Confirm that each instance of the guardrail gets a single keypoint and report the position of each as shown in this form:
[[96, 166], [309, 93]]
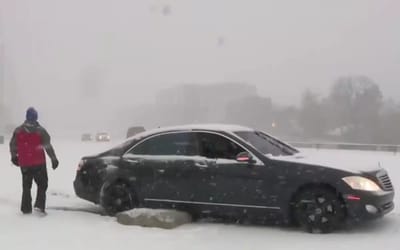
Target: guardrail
[[348, 146]]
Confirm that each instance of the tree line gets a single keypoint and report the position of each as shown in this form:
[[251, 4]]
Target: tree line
[[354, 110]]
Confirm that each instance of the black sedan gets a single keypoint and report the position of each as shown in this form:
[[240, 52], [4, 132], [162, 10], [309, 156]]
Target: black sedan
[[235, 172]]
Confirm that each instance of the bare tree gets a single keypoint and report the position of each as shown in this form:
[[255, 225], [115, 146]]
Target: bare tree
[[312, 115], [355, 103]]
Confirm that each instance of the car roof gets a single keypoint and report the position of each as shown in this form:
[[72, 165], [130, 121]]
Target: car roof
[[207, 127]]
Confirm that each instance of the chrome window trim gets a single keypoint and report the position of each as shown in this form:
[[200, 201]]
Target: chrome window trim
[[258, 161]]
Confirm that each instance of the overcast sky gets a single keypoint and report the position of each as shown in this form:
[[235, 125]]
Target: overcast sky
[[139, 46]]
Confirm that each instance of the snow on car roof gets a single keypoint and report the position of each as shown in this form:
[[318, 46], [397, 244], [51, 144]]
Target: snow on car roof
[[211, 127]]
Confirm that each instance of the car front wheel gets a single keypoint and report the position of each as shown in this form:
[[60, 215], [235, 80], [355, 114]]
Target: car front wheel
[[318, 210]]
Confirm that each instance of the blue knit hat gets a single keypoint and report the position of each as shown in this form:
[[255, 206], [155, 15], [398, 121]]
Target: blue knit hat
[[31, 115]]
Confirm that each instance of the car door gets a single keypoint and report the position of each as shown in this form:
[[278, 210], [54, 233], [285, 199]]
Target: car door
[[238, 185], [176, 165]]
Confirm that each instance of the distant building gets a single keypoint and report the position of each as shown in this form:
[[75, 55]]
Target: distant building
[[7, 90], [2, 89], [191, 103]]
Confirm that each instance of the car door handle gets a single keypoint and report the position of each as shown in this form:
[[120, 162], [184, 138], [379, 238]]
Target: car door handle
[[201, 164], [132, 160], [161, 171]]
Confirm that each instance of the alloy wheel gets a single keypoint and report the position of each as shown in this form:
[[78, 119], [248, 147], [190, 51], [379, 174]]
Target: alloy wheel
[[319, 210]]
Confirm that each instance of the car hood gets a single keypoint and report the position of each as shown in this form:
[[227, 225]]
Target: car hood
[[350, 165]]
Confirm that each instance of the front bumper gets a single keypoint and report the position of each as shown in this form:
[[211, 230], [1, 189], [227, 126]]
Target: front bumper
[[370, 205]]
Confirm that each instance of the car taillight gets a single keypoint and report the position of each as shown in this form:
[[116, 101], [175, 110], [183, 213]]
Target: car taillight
[[80, 165]]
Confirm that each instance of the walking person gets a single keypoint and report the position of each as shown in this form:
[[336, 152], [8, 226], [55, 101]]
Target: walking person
[[27, 147]]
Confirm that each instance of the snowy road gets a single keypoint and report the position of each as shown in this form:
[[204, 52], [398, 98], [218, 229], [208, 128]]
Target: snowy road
[[75, 224]]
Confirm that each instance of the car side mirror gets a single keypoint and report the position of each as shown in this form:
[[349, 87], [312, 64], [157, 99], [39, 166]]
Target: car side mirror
[[245, 157]]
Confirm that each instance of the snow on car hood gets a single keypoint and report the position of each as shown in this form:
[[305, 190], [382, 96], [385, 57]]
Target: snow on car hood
[[351, 164]]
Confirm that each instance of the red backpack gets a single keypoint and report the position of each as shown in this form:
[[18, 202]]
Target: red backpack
[[30, 149]]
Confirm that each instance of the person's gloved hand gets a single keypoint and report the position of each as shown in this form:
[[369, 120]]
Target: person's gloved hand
[[14, 160], [54, 163]]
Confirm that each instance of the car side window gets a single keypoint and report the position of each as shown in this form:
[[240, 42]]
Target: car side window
[[168, 144], [215, 146]]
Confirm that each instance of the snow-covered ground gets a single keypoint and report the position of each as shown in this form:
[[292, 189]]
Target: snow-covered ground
[[76, 224]]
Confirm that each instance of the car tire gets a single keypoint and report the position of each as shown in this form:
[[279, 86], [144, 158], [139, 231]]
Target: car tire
[[318, 210], [117, 197]]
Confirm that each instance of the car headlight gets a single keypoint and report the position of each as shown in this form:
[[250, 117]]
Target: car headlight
[[361, 183]]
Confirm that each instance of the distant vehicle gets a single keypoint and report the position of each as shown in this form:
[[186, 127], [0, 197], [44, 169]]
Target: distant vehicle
[[103, 136], [135, 130], [86, 137], [235, 172]]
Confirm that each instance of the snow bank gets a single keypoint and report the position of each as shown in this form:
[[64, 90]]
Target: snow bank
[[161, 218]]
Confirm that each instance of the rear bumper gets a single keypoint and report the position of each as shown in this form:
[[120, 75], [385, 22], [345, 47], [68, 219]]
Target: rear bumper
[[371, 205], [84, 190]]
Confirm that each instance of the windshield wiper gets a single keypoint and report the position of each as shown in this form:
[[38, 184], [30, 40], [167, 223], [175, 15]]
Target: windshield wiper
[[283, 148]]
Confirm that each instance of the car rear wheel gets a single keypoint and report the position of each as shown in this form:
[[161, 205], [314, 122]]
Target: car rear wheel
[[117, 197], [318, 210]]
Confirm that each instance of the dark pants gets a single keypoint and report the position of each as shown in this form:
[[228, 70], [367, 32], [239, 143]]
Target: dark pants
[[39, 175]]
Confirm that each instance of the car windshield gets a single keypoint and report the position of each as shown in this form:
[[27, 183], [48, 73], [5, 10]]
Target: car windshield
[[266, 144]]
